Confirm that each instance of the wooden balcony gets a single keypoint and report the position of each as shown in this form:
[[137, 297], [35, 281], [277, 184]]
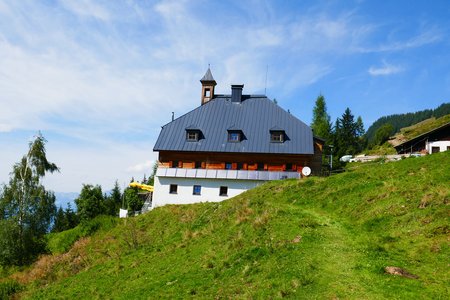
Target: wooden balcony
[[226, 174]]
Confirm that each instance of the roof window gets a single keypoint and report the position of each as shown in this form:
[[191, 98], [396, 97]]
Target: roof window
[[234, 136], [277, 136], [192, 135]]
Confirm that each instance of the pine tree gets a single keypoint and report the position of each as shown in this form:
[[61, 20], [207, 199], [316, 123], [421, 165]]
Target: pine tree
[[113, 202], [346, 138], [321, 124], [151, 179]]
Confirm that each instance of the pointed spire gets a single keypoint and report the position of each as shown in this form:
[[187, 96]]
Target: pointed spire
[[208, 76]]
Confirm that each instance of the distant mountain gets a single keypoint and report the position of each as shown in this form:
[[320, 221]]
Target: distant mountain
[[399, 121], [63, 198]]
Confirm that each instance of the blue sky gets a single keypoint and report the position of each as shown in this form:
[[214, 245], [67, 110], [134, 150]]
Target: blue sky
[[99, 78]]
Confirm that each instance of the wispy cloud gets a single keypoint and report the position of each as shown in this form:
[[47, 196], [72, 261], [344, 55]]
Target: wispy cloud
[[429, 36], [87, 8], [385, 69]]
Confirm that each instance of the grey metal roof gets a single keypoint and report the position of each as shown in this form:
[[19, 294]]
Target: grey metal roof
[[255, 116], [208, 76]]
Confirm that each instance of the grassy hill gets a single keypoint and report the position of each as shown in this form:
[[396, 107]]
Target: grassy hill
[[317, 238], [408, 133], [412, 131]]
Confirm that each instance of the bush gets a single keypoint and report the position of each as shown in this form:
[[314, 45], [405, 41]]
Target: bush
[[62, 241], [8, 288]]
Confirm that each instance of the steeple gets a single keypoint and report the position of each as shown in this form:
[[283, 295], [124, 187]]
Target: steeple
[[208, 84]]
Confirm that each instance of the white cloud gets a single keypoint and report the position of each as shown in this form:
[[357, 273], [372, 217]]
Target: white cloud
[[87, 8], [426, 37], [386, 69]]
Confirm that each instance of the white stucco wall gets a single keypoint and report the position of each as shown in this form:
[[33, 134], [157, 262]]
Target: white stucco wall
[[441, 144], [209, 190]]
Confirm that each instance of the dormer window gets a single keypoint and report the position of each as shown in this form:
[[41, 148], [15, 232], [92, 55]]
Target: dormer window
[[192, 136], [193, 133], [277, 135], [234, 136]]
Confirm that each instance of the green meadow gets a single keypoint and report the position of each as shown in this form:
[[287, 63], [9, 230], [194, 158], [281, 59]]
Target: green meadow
[[315, 238]]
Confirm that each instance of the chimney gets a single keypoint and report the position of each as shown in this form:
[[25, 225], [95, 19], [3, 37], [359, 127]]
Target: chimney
[[236, 93]]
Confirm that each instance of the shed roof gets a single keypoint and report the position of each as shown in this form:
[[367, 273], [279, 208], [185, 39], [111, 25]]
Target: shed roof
[[256, 116]]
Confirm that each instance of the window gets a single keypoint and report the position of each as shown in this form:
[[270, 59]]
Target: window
[[175, 164], [207, 93], [198, 164], [192, 136], [197, 190], [228, 166], [223, 191], [435, 149], [234, 137], [277, 136], [173, 188]]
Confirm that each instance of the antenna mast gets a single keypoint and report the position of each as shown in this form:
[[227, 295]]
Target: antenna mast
[[265, 83]]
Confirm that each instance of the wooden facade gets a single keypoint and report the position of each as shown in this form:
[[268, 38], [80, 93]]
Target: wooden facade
[[243, 161]]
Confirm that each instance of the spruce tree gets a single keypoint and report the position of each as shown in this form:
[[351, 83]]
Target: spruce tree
[[321, 124]]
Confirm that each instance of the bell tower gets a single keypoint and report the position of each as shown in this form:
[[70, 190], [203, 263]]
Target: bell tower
[[208, 84]]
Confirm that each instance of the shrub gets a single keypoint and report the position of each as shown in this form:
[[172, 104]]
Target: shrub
[[8, 288]]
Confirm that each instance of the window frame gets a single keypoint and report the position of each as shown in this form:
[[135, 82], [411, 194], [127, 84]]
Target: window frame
[[234, 136], [192, 136], [279, 134], [221, 189], [171, 191], [197, 193]]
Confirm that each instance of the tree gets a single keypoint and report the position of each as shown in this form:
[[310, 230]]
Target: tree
[[321, 124], [90, 202], [26, 208], [65, 219], [151, 179], [113, 202], [134, 202], [348, 136], [383, 133]]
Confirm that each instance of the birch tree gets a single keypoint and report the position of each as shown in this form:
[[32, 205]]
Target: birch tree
[[26, 208]]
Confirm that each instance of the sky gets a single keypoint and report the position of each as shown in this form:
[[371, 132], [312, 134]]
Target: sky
[[99, 78]]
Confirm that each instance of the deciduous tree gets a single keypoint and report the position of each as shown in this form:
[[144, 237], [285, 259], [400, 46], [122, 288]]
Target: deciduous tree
[[26, 208], [90, 202]]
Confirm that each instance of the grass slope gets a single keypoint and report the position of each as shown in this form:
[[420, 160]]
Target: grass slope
[[318, 238], [415, 130]]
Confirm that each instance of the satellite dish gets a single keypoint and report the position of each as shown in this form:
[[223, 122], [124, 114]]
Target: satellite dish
[[306, 171]]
